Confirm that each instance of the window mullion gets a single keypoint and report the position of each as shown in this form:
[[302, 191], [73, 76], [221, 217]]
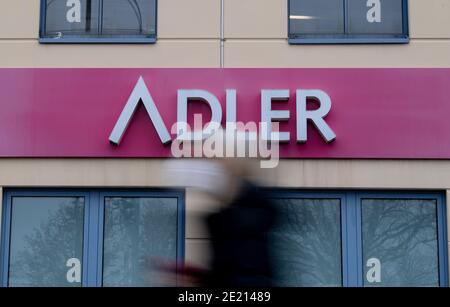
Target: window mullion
[[345, 3], [100, 235], [5, 241], [353, 248], [92, 242], [442, 242], [100, 17], [344, 242]]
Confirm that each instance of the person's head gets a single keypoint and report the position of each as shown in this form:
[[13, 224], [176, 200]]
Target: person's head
[[221, 176]]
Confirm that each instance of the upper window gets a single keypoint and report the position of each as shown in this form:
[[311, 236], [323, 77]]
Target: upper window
[[84, 21], [348, 21]]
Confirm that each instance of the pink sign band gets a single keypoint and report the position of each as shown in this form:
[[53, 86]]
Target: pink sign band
[[375, 113]]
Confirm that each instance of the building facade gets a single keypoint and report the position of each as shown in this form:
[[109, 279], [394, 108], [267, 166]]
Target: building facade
[[373, 205]]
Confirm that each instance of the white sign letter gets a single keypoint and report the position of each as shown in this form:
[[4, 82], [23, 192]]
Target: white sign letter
[[268, 115], [316, 116], [216, 114], [74, 13], [140, 92]]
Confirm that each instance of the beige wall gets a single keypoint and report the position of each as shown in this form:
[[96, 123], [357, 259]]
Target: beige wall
[[255, 33], [308, 173]]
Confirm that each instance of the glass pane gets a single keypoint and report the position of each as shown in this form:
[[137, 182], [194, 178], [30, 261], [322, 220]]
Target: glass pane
[[307, 243], [46, 241], [400, 245], [316, 17], [375, 17], [125, 18], [139, 232], [71, 18]]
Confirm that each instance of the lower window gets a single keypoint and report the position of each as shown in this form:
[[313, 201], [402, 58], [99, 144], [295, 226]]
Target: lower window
[[91, 238], [118, 238], [360, 239]]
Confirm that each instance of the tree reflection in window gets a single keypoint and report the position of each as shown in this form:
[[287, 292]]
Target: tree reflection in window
[[402, 234], [307, 242], [45, 233], [138, 232]]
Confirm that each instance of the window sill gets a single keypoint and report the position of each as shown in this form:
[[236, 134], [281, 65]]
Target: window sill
[[90, 40], [346, 41]]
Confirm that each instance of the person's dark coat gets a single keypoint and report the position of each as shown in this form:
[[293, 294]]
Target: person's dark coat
[[240, 245]]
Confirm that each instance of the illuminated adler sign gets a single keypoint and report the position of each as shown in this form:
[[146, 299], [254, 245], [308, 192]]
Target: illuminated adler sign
[[268, 115]]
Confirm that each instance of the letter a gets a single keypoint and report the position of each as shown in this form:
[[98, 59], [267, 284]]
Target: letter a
[[74, 273], [374, 13], [374, 273], [74, 13]]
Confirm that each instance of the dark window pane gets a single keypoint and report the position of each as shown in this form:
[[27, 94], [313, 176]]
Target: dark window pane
[[316, 17], [307, 243], [46, 241], [138, 233], [100, 18], [71, 18], [382, 17], [129, 17], [400, 246]]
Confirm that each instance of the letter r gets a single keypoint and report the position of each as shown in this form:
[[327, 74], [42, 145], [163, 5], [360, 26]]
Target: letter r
[[315, 116]]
